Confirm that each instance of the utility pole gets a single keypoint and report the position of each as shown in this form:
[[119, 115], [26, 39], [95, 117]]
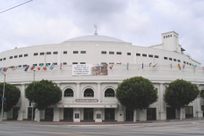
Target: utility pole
[[2, 98]]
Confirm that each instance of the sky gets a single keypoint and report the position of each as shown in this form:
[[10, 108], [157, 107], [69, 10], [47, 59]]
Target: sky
[[140, 22]]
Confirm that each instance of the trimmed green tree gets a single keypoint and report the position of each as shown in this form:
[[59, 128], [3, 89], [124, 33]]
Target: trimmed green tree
[[202, 94], [179, 94], [136, 93], [43, 93], [11, 96]]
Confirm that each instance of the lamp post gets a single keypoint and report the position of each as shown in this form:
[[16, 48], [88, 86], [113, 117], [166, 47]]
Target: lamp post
[[2, 98]]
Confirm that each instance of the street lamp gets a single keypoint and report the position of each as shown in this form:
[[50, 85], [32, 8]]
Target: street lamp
[[2, 98]]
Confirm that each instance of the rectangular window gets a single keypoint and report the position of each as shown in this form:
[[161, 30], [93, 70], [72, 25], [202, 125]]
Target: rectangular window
[[4, 58], [35, 54], [64, 52], [20, 55], [75, 52], [15, 56], [83, 52], [35, 65], [151, 56], [11, 57], [111, 62], [128, 53], [55, 63], [179, 60], [118, 53], [103, 52], [144, 55], [64, 63], [138, 54], [174, 59], [55, 52], [156, 56], [82, 62], [170, 59], [165, 58], [0, 59], [74, 62], [111, 52], [48, 53], [42, 53]]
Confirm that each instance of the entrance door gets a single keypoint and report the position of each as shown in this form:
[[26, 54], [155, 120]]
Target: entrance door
[[109, 114], [171, 113], [31, 113], [151, 113], [202, 108], [88, 114], [15, 113], [49, 114], [129, 115], [68, 114], [189, 111]]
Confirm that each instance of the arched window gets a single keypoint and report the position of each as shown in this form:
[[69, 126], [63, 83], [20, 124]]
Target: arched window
[[109, 92], [68, 93], [88, 93]]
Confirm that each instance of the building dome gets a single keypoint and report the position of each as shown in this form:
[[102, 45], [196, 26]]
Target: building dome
[[95, 38]]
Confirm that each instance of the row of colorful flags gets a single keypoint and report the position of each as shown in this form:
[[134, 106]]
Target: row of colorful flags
[[110, 67]]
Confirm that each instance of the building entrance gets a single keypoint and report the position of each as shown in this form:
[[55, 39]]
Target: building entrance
[[68, 114], [109, 114], [151, 113], [129, 115], [171, 113], [88, 114], [49, 113]]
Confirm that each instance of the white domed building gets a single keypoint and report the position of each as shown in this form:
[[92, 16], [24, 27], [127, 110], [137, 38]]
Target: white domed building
[[88, 70]]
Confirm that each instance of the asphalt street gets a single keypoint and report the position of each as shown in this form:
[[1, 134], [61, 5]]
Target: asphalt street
[[173, 128]]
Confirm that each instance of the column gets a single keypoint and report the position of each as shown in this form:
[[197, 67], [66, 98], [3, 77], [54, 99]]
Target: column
[[37, 115], [77, 91], [56, 114], [197, 106], [76, 114], [143, 115], [99, 92], [98, 115], [22, 114], [161, 108]]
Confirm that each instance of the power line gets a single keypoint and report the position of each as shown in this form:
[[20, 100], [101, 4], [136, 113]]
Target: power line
[[15, 6]]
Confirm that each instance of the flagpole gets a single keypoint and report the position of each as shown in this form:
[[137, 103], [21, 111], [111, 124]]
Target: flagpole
[[2, 98], [32, 88]]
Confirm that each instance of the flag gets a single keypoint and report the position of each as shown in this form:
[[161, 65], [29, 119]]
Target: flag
[[111, 66], [171, 66], [12, 67], [183, 66], [60, 66], [154, 65], [44, 68], [52, 66], [26, 69], [32, 68], [179, 66], [142, 65], [38, 68], [5, 69], [127, 66]]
